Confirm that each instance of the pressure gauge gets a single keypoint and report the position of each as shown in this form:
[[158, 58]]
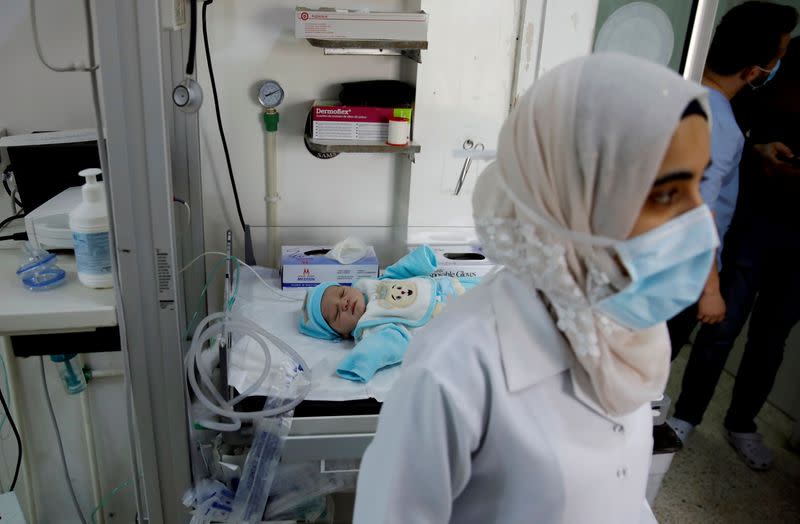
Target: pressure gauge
[[270, 94]]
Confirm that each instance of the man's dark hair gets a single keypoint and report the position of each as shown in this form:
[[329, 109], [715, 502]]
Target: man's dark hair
[[749, 35]]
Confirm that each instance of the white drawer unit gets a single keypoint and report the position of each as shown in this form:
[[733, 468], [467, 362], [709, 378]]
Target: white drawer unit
[[329, 438]]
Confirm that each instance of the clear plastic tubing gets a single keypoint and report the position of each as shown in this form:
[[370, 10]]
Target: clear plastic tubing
[[213, 326]]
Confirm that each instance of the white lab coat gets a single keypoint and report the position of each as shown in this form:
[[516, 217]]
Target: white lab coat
[[493, 421]]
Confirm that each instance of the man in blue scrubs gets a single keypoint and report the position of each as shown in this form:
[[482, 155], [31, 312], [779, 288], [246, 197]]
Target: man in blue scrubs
[[745, 54]]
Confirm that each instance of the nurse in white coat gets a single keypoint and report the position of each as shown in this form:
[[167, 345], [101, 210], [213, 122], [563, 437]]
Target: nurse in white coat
[[527, 400]]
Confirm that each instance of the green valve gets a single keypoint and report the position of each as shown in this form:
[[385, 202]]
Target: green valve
[[271, 121]]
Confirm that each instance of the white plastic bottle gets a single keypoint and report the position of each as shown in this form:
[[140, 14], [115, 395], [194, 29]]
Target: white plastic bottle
[[89, 225]]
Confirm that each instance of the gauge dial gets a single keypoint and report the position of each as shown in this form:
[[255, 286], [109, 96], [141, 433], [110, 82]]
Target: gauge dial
[[270, 94]]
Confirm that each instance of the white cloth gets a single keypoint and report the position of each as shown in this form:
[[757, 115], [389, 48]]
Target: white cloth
[[265, 308], [576, 160], [492, 421]]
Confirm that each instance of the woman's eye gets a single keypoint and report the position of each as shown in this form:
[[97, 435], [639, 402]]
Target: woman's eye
[[664, 198]]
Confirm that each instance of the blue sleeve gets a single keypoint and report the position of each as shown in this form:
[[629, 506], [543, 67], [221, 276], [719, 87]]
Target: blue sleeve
[[375, 352], [469, 282], [419, 263], [725, 156]]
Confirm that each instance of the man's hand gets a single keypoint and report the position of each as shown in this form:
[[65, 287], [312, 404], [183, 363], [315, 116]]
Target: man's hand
[[711, 308], [777, 158]]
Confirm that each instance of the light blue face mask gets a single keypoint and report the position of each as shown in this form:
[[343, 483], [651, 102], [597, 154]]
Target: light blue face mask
[[771, 74], [668, 267]]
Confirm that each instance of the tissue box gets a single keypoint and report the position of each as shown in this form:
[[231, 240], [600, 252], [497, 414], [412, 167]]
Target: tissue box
[[460, 261], [350, 24], [306, 266]]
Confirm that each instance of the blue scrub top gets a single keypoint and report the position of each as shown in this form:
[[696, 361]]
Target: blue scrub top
[[720, 188]]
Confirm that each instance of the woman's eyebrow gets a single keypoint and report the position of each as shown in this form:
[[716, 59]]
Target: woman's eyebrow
[[672, 177]]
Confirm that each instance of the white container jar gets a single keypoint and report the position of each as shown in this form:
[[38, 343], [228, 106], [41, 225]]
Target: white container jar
[[89, 225]]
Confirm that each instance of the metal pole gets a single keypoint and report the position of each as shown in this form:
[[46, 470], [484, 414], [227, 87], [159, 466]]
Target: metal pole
[[91, 451], [145, 149], [702, 32]]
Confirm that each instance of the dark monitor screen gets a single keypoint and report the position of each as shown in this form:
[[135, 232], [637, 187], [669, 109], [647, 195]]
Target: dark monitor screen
[[42, 171]]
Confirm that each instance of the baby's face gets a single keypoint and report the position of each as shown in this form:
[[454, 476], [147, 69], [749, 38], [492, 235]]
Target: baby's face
[[342, 306]]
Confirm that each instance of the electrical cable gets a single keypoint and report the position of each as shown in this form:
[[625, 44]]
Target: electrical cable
[[219, 119], [19, 440], [59, 442], [16, 236], [38, 46], [14, 202], [192, 37], [6, 221], [11, 193], [7, 391]]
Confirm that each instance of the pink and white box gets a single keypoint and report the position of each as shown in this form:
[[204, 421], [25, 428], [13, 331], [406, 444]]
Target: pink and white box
[[331, 121]]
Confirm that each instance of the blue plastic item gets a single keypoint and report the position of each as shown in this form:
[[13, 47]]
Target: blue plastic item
[[38, 270], [70, 369]]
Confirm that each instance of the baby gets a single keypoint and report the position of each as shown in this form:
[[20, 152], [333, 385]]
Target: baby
[[380, 314]]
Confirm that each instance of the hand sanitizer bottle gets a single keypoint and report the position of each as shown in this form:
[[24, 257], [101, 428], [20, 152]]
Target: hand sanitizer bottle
[[89, 225]]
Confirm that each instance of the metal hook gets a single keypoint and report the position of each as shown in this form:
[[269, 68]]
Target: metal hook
[[468, 145]]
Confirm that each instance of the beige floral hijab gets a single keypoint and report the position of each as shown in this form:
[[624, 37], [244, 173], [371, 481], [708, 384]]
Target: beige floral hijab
[[576, 160]]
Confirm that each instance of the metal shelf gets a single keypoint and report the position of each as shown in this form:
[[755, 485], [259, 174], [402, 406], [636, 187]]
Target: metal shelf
[[357, 146], [409, 49]]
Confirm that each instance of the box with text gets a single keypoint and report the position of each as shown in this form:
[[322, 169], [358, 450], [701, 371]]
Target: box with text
[[460, 261], [307, 266], [344, 24], [331, 121]]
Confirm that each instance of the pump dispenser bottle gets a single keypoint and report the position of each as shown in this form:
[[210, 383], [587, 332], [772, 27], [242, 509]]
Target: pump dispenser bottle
[[89, 225]]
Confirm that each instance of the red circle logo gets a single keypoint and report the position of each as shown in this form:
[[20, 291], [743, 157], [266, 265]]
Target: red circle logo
[[303, 16]]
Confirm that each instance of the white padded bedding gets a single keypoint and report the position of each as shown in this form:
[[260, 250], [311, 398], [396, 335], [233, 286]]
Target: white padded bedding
[[280, 318]]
